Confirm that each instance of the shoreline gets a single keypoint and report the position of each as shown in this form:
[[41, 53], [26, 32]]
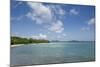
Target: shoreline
[[16, 45], [24, 44]]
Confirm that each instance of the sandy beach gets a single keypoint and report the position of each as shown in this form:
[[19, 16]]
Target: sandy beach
[[16, 45]]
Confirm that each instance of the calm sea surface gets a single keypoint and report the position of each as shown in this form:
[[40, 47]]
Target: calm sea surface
[[55, 52]]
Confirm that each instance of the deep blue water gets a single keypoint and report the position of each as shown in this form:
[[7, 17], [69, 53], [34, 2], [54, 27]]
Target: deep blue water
[[56, 52]]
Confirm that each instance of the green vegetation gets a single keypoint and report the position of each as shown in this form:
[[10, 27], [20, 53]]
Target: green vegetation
[[19, 40]]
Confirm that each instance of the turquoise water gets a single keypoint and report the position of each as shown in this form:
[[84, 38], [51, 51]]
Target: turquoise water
[[55, 52]]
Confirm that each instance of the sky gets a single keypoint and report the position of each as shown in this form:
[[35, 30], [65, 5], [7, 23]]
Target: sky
[[52, 21]]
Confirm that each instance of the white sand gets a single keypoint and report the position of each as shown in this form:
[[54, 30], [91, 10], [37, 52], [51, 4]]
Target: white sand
[[17, 45]]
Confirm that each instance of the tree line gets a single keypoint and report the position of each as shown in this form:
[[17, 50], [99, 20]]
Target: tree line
[[19, 40]]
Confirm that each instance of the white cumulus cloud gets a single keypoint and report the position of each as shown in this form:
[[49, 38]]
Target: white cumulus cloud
[[91, 21], [64, 34], [61, 12], [73, 11], [47, 14], [40, 13], [40, 36], [57, 27]]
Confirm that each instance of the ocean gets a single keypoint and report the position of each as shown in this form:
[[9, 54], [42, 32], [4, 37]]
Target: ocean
[[52, 53]]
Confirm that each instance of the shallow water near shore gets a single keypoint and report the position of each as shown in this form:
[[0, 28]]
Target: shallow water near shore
[[54, 52]]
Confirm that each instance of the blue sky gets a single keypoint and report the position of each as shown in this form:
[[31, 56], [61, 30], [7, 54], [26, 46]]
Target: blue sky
[[52, 21]]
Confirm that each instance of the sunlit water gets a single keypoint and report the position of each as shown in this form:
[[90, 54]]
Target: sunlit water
[[56, 52]]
